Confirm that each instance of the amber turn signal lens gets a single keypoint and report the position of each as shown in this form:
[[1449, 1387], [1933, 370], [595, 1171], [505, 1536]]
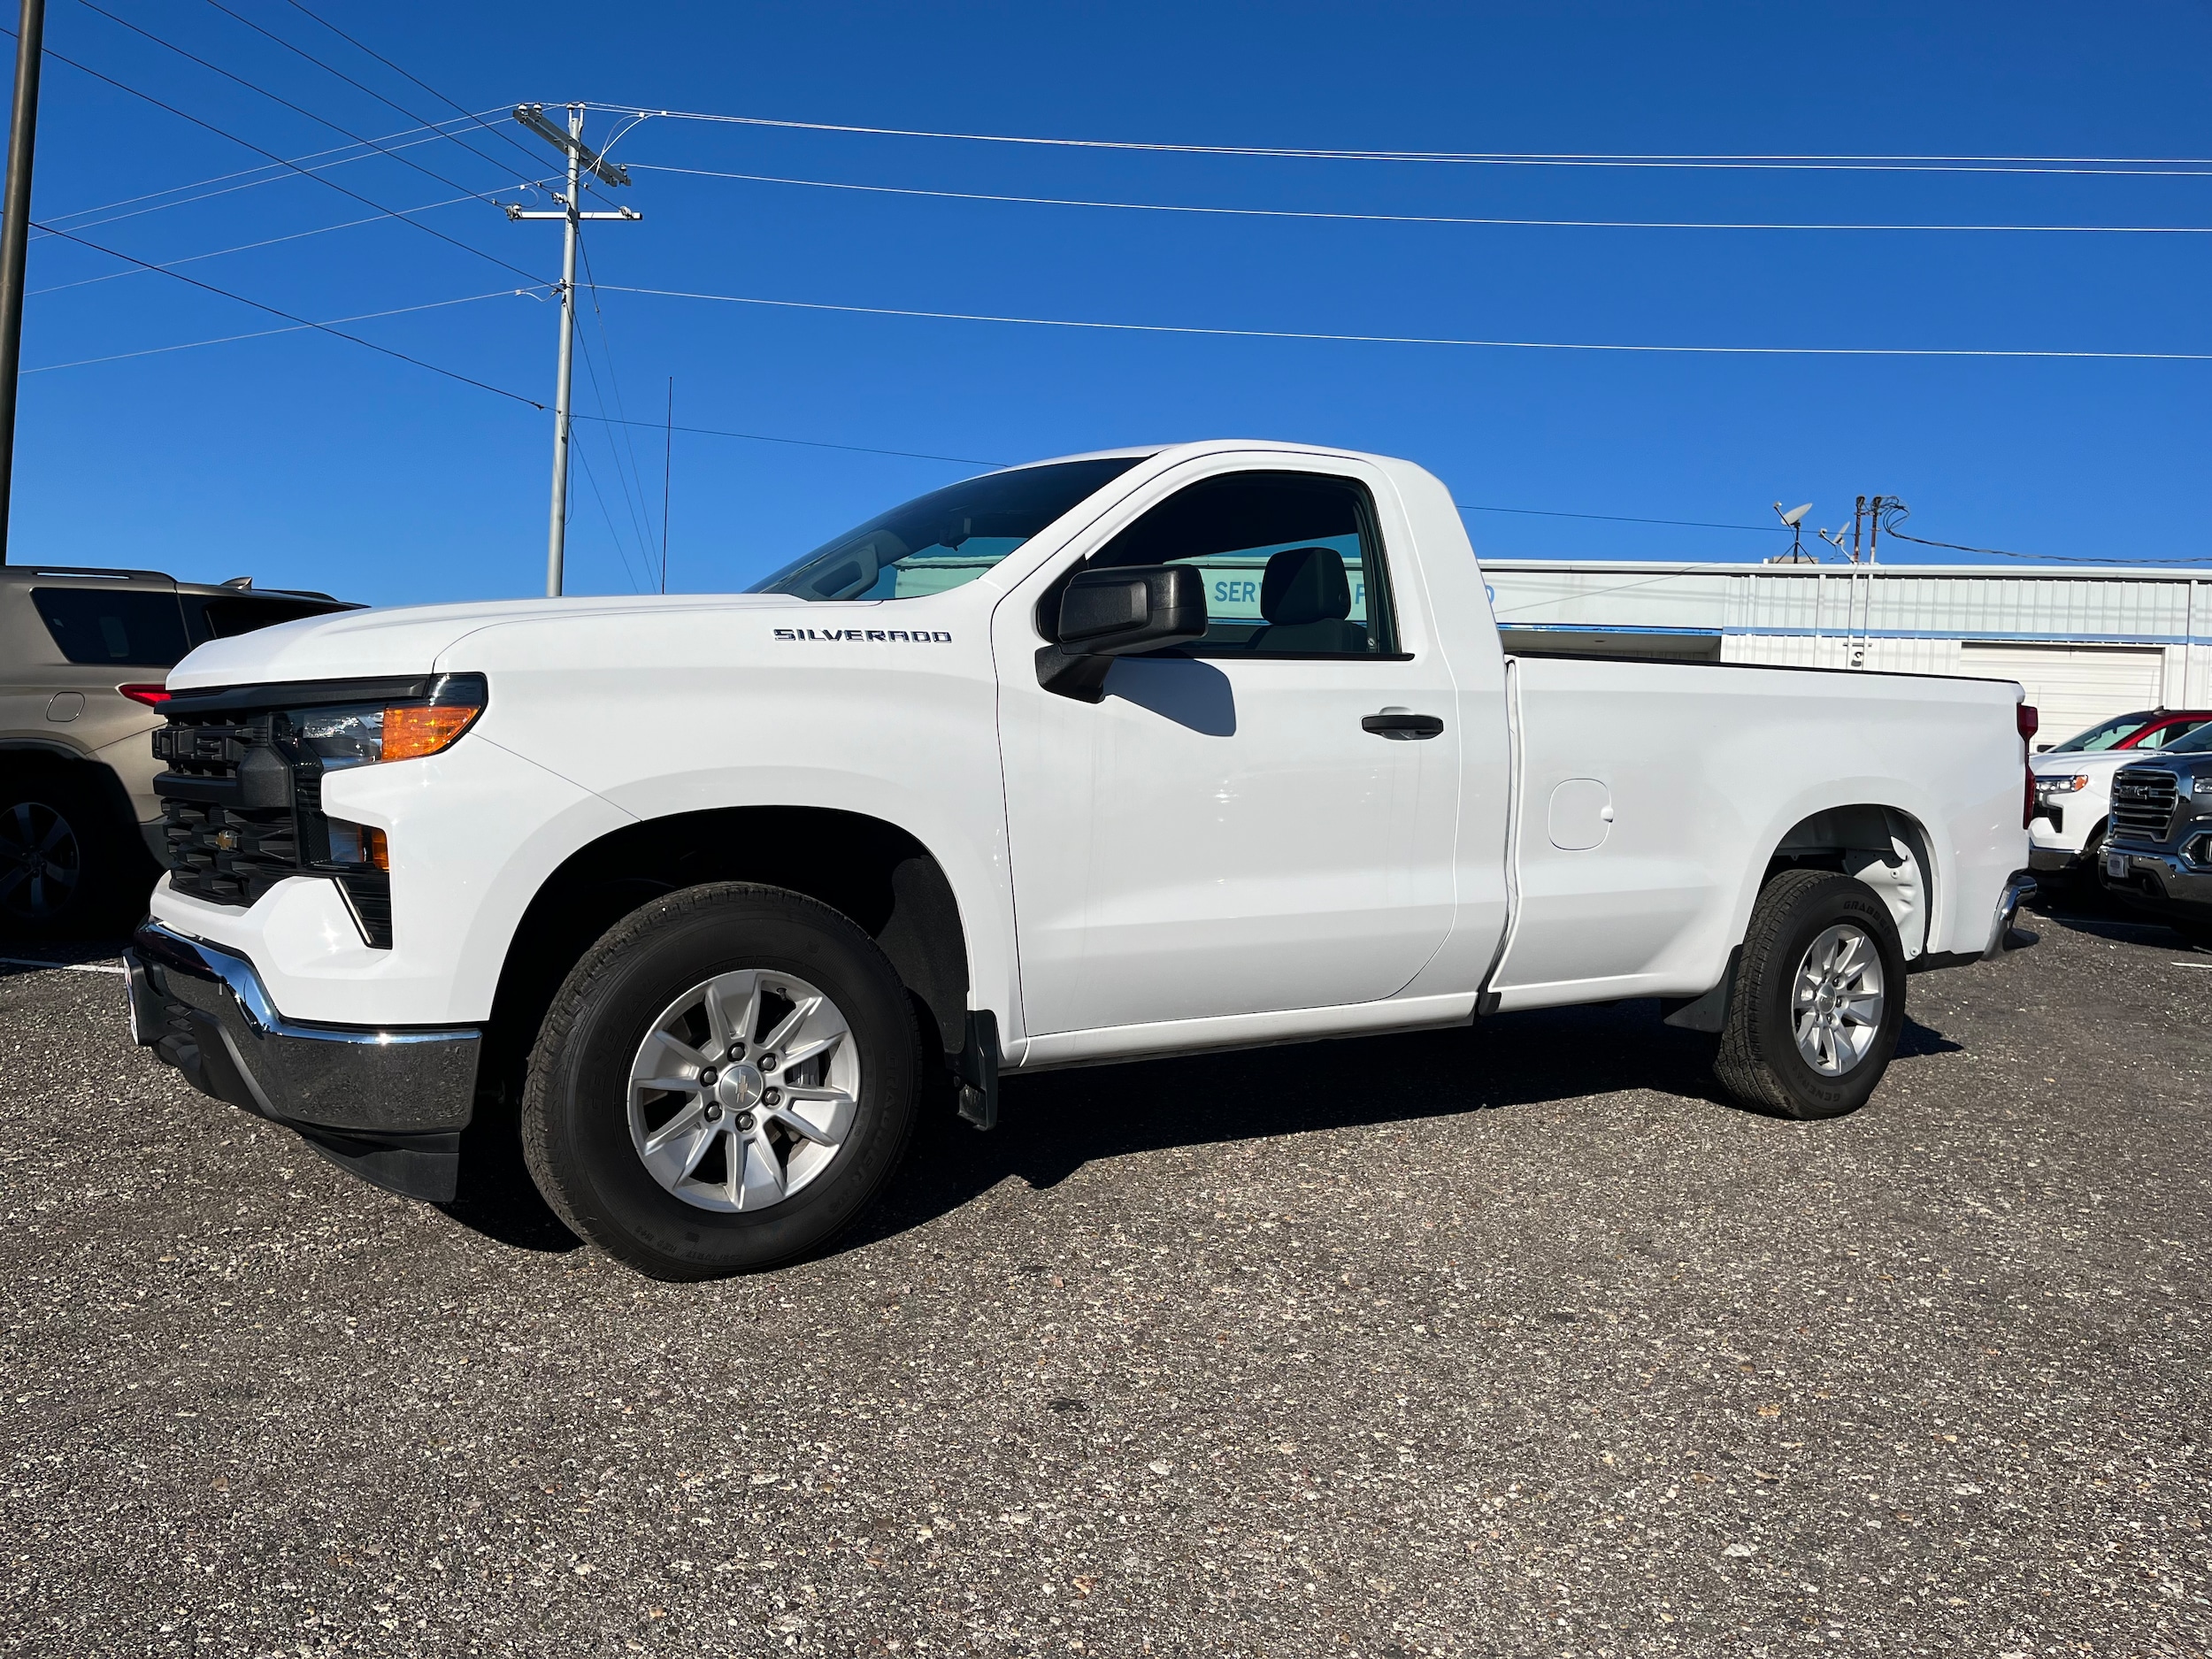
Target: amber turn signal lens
[[417, 729], [374, 852]]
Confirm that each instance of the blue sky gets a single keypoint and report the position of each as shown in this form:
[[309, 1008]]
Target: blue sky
[[307, 461]]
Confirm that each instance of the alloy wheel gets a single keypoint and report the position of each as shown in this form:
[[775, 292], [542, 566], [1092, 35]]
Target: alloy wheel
[[1837, 1000], [41, 862], [744, 1090]]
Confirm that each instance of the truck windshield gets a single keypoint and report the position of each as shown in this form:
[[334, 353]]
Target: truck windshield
[[2196, 743], [2113, 732], [947, 537]]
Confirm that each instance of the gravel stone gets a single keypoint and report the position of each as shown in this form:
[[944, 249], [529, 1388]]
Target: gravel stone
[[1510, 1339]]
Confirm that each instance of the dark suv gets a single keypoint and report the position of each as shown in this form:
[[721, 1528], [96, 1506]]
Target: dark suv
[[2158, 852], [83, 654]]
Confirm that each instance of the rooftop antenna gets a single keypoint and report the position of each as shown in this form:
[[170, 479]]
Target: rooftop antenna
[[1795, 519]]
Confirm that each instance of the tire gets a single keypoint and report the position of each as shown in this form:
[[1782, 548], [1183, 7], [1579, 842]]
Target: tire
[[1761, 1060], [68, 868], [694, 967]]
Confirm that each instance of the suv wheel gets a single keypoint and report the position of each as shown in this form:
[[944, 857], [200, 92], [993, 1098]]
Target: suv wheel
[[1818, 998], [723, 1082], [65, 868]]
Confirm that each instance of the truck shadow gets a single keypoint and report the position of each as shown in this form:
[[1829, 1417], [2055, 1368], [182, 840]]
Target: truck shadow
[[1052, 1125]]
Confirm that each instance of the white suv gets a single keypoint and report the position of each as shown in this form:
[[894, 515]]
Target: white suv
[[2073, 783]]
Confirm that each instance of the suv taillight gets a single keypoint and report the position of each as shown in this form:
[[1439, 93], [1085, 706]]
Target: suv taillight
[[152, 696], [2029, 722]]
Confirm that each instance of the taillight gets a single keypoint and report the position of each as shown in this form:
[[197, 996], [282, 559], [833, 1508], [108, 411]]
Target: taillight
[[152, 696], [2028, 723]]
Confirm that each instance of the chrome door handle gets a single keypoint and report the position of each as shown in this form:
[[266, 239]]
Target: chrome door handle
[[1402, 726]]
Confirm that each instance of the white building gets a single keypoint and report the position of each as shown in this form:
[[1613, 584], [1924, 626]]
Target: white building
[[2086, 643]]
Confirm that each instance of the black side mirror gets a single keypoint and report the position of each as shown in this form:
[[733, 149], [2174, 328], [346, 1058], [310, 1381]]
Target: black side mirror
[[1110, 613]]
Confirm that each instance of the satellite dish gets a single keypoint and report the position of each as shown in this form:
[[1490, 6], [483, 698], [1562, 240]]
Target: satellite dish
[[1795, 515]]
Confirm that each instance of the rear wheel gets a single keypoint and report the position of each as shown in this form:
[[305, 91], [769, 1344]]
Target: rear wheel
[[67, 867], [1818, 998], [723, 1082]]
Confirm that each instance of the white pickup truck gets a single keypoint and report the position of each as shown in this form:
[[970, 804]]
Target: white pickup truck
[[1130, 754]]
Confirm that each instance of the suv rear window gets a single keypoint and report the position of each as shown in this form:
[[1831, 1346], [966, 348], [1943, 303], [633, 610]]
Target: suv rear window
[[130, 628]]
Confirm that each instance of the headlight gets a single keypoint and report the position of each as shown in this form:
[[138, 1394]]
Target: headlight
[[2061, 786], [365, 734]]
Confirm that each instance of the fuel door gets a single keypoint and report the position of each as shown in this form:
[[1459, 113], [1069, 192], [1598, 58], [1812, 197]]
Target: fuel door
[[1581, 815]]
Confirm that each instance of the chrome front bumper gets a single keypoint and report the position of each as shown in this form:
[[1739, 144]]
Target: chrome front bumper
[[388, 1105]]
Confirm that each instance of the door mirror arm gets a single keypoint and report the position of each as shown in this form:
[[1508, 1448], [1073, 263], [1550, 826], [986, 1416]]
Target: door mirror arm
[[1110, 613]]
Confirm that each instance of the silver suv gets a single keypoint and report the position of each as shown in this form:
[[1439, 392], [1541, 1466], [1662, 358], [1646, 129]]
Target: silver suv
[[83, 654]]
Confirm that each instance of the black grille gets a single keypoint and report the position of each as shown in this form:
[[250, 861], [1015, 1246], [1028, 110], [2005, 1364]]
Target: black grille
[[2143, 803], [241, 810]]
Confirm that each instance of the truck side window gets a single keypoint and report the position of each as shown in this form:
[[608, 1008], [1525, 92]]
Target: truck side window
[[1293, 564]]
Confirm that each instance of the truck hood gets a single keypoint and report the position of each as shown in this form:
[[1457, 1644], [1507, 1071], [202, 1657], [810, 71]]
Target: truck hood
[[410, 639]]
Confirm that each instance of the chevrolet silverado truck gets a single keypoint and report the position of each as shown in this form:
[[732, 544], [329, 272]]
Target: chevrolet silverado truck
[[1130, 754], [2158, 854]]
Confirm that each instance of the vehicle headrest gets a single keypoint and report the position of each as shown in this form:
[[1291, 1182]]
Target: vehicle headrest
[[1305, 584]]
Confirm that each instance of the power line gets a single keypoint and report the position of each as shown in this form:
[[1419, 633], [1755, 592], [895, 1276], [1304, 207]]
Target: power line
[[303, 173], [248, 247], [1425, 340], [264, 333], [266, 175], [2116, 167], [621, 550], [629, 495], [358, 86], [179, 276], [477, 116], [297, 109], [2040, 558], [434, 130], [1407, 219], [636, 498]]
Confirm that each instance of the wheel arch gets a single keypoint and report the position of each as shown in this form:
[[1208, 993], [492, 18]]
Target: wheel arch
[[872, 872], [1881, 844], [29, 757]]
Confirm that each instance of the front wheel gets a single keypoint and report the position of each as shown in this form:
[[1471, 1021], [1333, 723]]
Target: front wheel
[[1818, 998], [723, 1083]]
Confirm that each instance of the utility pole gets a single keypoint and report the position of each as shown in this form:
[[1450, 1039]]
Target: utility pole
[[1881, 505], [15, 236], [581, 158]]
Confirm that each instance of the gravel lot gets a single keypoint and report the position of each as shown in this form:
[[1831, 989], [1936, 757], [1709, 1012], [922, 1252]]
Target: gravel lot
[[1510, 1339]]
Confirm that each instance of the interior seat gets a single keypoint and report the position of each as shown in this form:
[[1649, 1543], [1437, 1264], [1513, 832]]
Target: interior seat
[[1305, 596]]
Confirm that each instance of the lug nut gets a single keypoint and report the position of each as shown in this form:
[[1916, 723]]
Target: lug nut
[[771, 1097], [713, 1112], [745, 1123], [768, 1063], [707, 1077]]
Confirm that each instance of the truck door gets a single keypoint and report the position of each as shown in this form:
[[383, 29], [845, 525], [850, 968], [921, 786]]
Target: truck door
[[1260, 820]]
